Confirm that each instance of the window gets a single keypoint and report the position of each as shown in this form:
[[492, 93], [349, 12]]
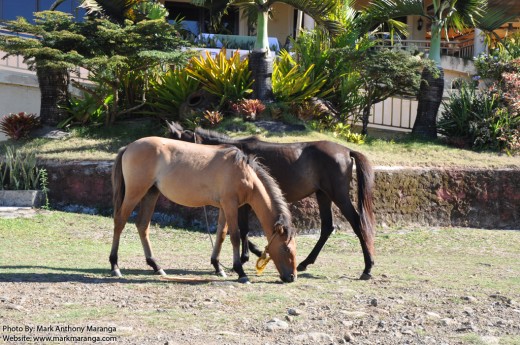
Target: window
[[197, 19]]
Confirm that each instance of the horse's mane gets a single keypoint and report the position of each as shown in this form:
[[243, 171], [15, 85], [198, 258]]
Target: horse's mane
[[271, 186], [220, 138]]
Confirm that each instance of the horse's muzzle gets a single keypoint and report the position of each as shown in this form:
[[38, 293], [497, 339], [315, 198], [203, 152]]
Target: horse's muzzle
[[288, 278]]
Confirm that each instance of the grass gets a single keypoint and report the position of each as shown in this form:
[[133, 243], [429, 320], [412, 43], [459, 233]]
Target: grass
[[99, 143], [417, 270]]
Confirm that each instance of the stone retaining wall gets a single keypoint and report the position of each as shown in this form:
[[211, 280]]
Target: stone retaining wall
[[407, 196]]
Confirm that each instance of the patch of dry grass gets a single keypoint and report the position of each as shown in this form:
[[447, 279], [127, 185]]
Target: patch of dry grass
[[428, 282], [103, 144]]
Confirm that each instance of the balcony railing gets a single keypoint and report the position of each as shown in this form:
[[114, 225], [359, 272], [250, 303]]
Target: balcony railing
[[457, 48]]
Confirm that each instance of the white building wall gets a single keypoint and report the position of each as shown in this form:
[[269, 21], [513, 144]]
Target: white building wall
[[19, 92]]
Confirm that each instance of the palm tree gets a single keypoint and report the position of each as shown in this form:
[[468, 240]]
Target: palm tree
[[115, 10], [457, 14], [260, 61]]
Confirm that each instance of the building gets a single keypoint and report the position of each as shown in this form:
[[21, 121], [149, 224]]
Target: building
[[19, 87]]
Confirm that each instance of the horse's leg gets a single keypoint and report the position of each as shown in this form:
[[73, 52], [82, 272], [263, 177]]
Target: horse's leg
[[324, 204], [243, 224], [120, 219], [230, 208], [367, 242], [146, 208], [219, 239]]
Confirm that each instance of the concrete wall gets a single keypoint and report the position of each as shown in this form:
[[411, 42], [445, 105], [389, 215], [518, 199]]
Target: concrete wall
[[282, 23], [426, 197], [19, 92]]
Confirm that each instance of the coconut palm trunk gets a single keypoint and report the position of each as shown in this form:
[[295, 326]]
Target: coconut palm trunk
[[260, 60], [442, 14], [261, 66], [431, 91], [430, 98]]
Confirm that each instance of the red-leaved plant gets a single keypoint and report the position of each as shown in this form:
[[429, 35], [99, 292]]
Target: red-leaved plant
[[248, 108], [18, 126], [212, 117]]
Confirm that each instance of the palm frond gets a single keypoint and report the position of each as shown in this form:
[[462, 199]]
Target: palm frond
[[470, 10], [380, 11], [55, 5], [116, 10], [465, 13], [494, 18], [319, 10]]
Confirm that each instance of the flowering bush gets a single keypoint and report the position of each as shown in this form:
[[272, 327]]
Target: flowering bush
[[511, 91], [492, 66]]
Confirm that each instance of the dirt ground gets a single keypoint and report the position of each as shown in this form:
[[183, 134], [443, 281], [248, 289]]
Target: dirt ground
[[430, 286], [360, 316]]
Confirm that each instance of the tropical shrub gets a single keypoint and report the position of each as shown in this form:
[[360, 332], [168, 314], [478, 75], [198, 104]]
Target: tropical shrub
[[19, 171], [18, 125], [292, 84], [229, 79], [499, 132], [172, 89], [458, 113], [248, 108], [480, 120], [87, 109], [338, 129], [500, 60], [212, 117], [491, 66]]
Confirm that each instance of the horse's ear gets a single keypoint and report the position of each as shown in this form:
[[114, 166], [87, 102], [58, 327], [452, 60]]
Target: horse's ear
[[175, 130], [279, 228]]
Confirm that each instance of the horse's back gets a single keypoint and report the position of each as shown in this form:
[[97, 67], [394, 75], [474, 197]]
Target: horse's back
[[186, 173]]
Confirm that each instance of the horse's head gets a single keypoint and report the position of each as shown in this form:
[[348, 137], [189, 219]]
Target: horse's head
[[282, 250], [179, 133]]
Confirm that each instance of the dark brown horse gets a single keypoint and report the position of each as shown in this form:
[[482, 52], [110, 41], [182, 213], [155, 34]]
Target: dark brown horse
[[197, 175], [304, 168]]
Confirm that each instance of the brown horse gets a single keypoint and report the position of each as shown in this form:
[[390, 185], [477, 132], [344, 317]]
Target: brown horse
[[304, 168], [197, 175]]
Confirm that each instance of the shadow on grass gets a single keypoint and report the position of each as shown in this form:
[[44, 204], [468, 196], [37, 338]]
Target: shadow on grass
[[92, 276], [132, 276]]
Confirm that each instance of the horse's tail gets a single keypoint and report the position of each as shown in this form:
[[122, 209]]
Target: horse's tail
[[118, 181], [365, 181]]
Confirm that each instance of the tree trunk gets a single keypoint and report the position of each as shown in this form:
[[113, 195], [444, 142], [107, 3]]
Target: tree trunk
[[366, 115], [54, 85], [261, 66], [430, 99]]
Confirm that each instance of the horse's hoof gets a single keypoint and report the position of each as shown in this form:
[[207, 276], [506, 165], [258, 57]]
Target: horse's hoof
[[161, 272], [244, 280], [244, 259], [222, 274], [365, 276], [301, 268], [116, 273]]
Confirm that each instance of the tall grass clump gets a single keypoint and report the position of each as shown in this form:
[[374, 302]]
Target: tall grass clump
[[19, 171]]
